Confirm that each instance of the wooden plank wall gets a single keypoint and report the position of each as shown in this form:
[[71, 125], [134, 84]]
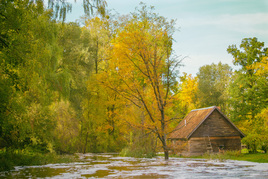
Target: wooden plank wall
[[215, 125], [198, 145]]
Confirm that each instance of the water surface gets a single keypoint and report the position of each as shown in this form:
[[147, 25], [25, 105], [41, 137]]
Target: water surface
[[113, 166]]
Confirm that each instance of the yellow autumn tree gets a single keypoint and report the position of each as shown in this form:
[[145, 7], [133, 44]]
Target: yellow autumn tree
[[187, 99], [143, 70], [101, 129]]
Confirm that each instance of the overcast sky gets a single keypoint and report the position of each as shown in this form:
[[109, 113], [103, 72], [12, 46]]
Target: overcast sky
[[207, 27]]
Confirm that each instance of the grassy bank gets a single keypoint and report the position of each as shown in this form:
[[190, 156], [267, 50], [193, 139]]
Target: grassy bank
[[9, 159], [235, 155]]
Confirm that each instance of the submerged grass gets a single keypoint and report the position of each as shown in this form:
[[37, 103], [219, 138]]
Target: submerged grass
[[9, 159]]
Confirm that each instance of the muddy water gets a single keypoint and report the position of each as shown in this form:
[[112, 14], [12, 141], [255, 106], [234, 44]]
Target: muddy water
[[112, 166]]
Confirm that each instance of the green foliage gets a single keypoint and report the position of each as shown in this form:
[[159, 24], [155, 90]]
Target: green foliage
[[66, 132], [234, 155], [66, 88], [62, 7], [256, 138], [141, 145], [251, 52], [213, 83], [5, 94], [11, 158], [24, 52], [237, 155], [248, 90], [252, 141], [46, 70]]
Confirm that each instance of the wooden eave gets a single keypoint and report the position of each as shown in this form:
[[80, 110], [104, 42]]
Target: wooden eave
[[215, 108], [195, 119], [201, 123], [242, 134]]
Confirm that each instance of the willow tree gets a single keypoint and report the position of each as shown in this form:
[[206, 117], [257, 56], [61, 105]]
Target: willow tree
[[143, 70], [29, 58], [62, 7]]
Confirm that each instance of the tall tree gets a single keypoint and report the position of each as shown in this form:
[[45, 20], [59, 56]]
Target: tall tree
[[29, 61], [143, 71], [213, 82], [101, 105], [44, 69], [248, 89]]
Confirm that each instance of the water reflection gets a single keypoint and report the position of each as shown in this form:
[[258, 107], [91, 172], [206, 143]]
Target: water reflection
[[113, 166]]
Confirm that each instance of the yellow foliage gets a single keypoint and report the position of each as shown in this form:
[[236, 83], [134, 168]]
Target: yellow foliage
[[260, 68], [187, 96], [138, 64]]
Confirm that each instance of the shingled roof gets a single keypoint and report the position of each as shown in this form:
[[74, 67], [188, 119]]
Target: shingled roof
[[193, 120]]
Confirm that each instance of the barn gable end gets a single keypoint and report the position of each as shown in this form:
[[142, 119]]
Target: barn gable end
[[215, 125], [205, 130]]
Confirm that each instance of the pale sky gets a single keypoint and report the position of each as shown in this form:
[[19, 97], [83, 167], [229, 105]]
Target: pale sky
[[207, 27]]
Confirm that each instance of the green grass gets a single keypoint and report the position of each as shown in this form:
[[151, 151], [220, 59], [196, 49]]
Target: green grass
[[9, 159], [258, 157], [234, 155]]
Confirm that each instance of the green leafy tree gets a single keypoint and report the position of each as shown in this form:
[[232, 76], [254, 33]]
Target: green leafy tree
[[213, 83], [248, 89], [76, 61], [29, 62]]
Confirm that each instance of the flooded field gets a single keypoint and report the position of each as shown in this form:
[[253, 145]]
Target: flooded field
[[112, 166]]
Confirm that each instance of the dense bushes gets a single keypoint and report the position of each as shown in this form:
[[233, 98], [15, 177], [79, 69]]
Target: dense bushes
[[11, 158], [141, 145]]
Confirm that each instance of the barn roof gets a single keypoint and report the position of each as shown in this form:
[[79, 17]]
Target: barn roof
[[193, 120]]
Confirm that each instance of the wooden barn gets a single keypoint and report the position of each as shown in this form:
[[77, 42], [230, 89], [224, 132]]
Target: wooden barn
[[205, 130]]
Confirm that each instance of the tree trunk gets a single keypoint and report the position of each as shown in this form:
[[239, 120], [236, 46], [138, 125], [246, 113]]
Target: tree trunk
[[165, 148], [85, 148], [166, 153]]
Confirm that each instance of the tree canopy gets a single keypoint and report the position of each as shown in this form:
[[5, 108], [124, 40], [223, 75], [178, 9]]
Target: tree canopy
[[113, 84]]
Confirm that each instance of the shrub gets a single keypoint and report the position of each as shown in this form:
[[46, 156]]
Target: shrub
[[12, 157], [141, 146], [253, 141]]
